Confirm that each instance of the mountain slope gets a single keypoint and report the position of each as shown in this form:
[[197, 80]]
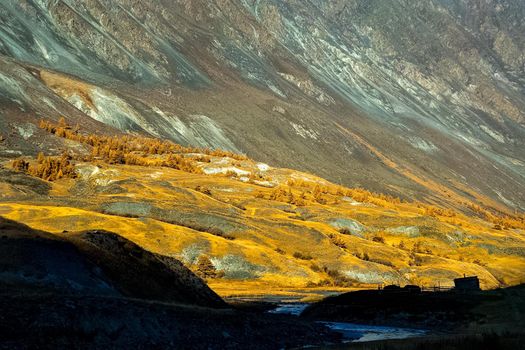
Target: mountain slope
[[235, 220], [419, 100], [95, 264]]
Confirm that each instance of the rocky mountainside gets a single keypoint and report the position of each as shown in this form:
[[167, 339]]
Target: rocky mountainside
[[419, 99]]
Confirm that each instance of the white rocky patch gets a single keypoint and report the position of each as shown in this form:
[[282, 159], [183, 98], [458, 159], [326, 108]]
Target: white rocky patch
[[310, 89], [354, 226], [493, 133], [237, 267], [368, 276], [49, 103], [304, 132], [111, 110], [279, 110], [49, 56], [174, 122], [516, 161], [262, 166], [103, 182], [505, 200], [276, 90], [227, 190], [351, 201], [11, 151], [409, 231], [87, 170], [190, 254], [423, 145], [93, 173], [265, 183], [114, 111], [198, 130], [304, 177], [470, 140], [237, 171], [11, 88], [156, 175], [207, 133], [26, 130]]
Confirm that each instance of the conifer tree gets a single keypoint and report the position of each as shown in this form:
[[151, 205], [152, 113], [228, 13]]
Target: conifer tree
[[205, 268]]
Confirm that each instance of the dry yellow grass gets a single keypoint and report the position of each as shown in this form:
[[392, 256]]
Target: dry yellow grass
[[269, 246], [269, 230]]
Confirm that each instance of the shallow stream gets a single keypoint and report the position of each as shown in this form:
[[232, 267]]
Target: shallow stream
[[353, 332]]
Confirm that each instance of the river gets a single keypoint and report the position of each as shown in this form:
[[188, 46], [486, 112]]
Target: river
[[353, 332]]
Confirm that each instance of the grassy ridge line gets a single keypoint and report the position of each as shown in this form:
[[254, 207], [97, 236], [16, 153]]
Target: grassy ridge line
[[142, 151], [369, 250], [288, 224]]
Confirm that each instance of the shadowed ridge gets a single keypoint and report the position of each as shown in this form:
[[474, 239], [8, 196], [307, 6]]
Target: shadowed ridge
[[143, 274], [94, 263], [494, 310], [37, 262], [10, 229]]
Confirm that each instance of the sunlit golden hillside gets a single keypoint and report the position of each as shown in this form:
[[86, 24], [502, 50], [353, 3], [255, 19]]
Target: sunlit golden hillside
[[248, 227]]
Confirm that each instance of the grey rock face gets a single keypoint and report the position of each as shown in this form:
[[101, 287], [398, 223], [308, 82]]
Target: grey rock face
[[394, 95], [354, 227]]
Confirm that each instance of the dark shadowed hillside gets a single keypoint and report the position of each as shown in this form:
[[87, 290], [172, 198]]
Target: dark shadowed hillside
[[97, 290], [94, 263]]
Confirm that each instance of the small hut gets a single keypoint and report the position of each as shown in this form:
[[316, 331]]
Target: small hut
[[467, 284]]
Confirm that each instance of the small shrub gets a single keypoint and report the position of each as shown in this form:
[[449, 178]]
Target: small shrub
[[415, 260], [345, 231], [20, 165], [230, 173], [206, 269], [239, 205], [302, 256], [336, 279], [337, 241], [378, 239], [311, 284], [203, 190], [479, 262], [280, 251], [315, 268]]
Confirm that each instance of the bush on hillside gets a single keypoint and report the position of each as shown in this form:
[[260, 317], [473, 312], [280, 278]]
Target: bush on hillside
[[378, 239], [337, 241], [47, 168], [301, 256], [206, 270]]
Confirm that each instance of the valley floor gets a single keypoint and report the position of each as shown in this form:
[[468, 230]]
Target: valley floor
[[52, 321]]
